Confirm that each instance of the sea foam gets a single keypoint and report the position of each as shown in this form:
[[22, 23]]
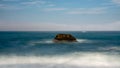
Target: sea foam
[[50, 41], [75, 60]]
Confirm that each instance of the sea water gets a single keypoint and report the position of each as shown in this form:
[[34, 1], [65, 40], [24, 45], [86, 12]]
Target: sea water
[[37, 50]]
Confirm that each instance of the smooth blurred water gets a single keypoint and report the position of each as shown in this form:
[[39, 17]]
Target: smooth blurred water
[[37, 50]]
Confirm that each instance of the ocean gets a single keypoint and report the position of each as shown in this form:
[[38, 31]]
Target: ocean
[[35, 49]]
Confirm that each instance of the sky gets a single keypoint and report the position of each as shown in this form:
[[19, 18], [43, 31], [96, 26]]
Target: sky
[[59, 15]]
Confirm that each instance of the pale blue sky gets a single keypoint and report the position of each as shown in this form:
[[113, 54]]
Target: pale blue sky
[[59, 15]]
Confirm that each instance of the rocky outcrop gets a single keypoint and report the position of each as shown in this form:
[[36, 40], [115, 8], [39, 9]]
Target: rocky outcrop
[[64, 37]]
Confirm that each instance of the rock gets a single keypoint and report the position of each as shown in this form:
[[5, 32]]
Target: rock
[[65, 38]]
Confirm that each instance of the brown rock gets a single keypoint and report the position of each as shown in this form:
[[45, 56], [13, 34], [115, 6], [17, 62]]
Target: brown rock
[[65, 37]]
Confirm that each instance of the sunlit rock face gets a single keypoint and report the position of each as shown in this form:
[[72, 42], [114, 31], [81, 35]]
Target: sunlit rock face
[[64, 38]]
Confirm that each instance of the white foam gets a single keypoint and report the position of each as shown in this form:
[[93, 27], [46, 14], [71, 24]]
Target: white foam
[[111, 48], [76, 60], [83, 41], [46, 41], [50, 41]]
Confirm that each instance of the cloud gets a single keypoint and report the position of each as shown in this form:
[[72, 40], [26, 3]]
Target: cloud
[[87, 11], [115, 26], [22, 4], [51, 5], [54, 9], [33, 3], [10, 0], [32, 27], [106, 26], [116, 2], [8, 7], [2, 6]]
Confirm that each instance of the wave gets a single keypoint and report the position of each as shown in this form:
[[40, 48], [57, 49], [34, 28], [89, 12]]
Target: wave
[[75, 60], [84, 41], [50, 41], [113, 48], [45, 41]]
